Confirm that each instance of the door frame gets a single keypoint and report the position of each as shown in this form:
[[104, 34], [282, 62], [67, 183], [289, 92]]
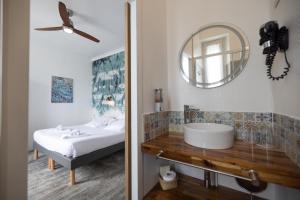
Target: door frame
[[135, 179], [14, 115], [127, 101]]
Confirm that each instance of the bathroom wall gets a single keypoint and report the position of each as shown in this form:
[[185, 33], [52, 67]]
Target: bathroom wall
[[152, 72], [286, 92], [251, 90], [154, 52]]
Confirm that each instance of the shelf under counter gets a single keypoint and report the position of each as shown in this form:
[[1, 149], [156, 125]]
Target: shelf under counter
[[191, 188], [271, 166]]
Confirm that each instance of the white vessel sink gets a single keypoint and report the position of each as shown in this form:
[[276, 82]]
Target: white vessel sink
[[209, 135]]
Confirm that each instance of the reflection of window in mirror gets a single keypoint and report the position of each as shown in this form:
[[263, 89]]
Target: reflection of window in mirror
[[214, 56], [213, 59], [186, 62]]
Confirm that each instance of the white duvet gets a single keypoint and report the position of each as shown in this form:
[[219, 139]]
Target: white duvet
[[91, 139]]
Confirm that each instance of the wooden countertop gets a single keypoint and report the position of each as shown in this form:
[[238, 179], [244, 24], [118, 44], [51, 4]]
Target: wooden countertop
[[271, 166]]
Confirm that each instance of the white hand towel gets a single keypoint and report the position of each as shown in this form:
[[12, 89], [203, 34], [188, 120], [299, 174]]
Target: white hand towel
[[59, 127], [72, 134]]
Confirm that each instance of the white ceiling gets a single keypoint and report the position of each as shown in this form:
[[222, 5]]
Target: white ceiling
[[103, 19]]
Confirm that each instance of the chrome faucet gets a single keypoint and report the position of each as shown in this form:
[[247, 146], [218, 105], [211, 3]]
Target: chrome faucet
[[187, 109]]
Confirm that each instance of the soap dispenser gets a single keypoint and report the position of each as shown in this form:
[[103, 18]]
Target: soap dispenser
[[158, 100]]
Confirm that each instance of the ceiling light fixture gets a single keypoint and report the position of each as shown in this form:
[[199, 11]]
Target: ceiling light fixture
[[67, 29], [67, 26]]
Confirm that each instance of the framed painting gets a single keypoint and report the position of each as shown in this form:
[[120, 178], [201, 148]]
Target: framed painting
[[62, 90]]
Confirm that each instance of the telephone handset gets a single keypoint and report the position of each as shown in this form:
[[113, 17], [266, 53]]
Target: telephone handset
[[274, 39]]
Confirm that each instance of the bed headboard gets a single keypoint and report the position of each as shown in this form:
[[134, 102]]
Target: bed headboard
[[108, 83]]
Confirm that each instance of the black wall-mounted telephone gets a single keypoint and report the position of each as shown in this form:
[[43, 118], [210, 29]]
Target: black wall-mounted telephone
[[274, 39]]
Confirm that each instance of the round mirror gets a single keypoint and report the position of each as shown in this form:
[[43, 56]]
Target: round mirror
[[214, 56]]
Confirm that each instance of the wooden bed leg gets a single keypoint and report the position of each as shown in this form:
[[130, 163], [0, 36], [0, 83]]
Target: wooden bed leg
[[72, 177], [51, 164], [35, 154], [49, 167]]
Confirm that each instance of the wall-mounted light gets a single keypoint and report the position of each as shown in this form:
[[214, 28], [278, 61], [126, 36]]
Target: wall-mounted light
[[67, 29], [109, 101]]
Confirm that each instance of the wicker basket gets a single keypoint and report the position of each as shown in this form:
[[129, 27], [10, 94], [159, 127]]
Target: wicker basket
[[168, 185]]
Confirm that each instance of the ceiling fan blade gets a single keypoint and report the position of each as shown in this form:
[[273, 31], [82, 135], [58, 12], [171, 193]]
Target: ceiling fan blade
[[64, 13], [83, 34], [58, 28]]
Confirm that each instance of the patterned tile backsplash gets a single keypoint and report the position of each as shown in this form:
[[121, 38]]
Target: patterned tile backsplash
[[155, 124], [280, 132], [287, 134], [252, 127]]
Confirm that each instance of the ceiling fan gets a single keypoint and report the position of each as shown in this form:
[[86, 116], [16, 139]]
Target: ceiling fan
[[67, 26]]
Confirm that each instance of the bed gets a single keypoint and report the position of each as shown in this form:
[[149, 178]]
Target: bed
[[79, 145]]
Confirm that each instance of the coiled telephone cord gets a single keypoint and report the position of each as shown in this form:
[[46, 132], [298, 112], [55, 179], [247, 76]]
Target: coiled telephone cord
[[269, 63]]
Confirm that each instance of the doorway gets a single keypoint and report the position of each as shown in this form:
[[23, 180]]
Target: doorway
[[58, 123], [11, 134]]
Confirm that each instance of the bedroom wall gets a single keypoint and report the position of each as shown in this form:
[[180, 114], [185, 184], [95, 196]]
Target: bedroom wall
[[47, 60]]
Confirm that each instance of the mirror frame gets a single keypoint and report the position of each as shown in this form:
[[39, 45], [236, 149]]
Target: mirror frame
[[244, 40]]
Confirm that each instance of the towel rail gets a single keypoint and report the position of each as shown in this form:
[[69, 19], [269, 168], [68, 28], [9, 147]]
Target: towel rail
[[253, 178]]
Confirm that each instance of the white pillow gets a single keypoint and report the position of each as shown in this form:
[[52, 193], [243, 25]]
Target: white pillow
[[93, 124], [101, 121], [114, 113], [117, 126]]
